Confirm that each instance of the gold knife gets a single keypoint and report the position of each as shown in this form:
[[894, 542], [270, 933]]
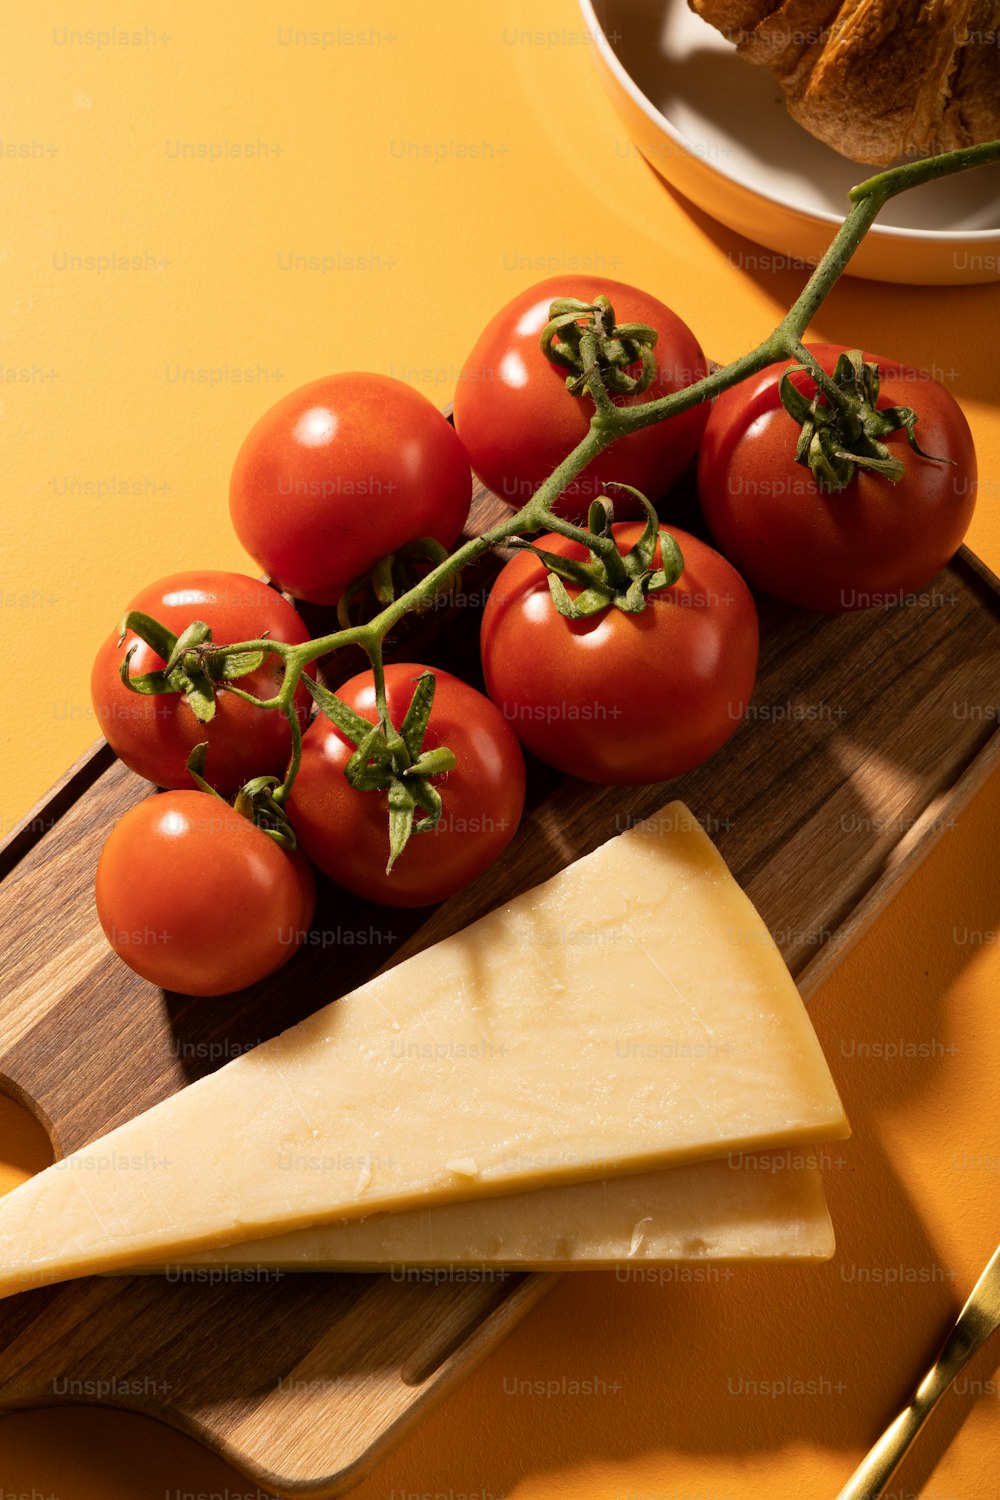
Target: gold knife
[[978, 1319]]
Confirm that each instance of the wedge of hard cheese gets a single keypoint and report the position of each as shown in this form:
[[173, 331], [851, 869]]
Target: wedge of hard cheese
[[766, 1207], [631, 1013]]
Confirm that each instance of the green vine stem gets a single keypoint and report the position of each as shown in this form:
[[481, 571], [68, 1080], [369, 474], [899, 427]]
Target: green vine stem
[[295, 759], [867, 201], [609, 423]]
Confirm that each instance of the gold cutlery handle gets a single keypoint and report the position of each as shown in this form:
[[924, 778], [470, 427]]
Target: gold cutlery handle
[[874, 1472]]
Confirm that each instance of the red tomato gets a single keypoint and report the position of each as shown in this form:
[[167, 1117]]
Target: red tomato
[[518, 421], [196, 899], [621, 698], [342, 472], [871, 544], [155, 735], [346, 832]]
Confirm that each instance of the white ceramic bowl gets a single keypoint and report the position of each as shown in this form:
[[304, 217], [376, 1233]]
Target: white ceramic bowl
[[717, 129]]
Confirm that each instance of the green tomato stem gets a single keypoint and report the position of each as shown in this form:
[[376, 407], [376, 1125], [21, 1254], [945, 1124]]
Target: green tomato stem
[[594, 380], [374, 649], [868, 198], [281, 792], [265, 644], [823, 381], [276, 702]]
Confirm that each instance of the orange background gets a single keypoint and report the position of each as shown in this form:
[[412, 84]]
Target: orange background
[[441, 157]]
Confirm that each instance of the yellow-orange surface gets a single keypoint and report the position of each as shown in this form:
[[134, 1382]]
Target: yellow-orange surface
[[278, 203]]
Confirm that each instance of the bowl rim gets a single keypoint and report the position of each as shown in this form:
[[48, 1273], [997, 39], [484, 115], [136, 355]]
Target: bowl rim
[[938, 237]]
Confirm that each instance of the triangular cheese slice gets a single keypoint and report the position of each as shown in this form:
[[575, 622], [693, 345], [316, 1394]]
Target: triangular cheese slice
[[631, 1013], [740, 1208]]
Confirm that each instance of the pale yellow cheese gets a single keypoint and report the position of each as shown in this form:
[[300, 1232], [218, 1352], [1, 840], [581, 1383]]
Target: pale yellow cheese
[[629, 1014], [765, 1207]]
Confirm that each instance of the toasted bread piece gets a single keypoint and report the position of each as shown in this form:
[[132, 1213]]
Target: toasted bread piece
[[877, 79], [973, 111], [790, 40], [881, 82], [734, 18]]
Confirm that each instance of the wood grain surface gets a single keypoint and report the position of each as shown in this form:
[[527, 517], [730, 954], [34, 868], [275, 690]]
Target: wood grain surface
[[866, 734]]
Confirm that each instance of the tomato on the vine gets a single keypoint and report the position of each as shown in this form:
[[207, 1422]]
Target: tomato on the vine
[[622, 698], [154, 735], [339, 474], [870, 544], [344, 830], [198, 900], [518, 421]]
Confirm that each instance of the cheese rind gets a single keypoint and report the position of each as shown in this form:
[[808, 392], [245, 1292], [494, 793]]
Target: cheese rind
[[770, 1207], [630, 1014]]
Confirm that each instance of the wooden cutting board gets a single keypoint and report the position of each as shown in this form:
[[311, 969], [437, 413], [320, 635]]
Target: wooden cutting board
[[867, 734]]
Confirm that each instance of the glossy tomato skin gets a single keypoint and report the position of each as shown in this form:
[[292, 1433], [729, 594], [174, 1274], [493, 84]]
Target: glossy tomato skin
[[870, 545], [340, 473], [155, 735], [196, 899], [518, 421], [620, 698], [345, 832]]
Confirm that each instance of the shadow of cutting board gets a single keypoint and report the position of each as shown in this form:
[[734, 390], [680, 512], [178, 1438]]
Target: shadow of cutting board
[[867, 734]]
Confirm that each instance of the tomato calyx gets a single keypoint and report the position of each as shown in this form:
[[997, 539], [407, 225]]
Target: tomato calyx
[[393, 576], [623, 581], [846, 434], [584, 339], [194, 665], [393, 761], [254, 801]]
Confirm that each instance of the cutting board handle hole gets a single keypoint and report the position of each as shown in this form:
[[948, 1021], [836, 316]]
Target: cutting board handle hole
[[26, 1135]]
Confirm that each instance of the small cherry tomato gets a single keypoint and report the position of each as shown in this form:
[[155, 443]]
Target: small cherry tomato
[[345, 832], [871, 544], [339, 474], [154, 735], [518, 420], [622, 698], [198, 900]]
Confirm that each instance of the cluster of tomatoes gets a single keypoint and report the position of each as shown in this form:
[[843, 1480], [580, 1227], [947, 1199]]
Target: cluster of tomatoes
[[347, 470]]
